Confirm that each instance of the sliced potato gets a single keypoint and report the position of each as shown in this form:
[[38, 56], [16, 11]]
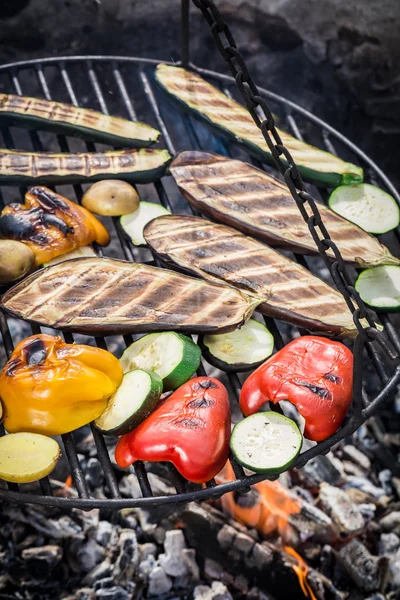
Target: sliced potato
[[27, 457], [111, 198], [16, 260]]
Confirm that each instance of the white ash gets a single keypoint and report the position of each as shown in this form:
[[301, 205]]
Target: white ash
[[346, 515], [217, 591], [159, 582], [359, 458]]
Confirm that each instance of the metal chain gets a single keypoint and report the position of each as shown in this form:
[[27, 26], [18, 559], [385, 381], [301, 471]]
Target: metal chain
[[256, 105]]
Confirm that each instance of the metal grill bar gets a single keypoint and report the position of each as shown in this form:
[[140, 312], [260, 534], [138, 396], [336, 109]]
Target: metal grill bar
[[123, 85]]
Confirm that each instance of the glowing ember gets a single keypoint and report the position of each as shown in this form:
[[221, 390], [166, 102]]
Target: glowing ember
[[68, 481], [301, 570], [267, 508]]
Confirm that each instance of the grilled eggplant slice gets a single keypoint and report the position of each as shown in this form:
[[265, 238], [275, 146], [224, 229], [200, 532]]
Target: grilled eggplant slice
[[240, 195], [104, 296], [26, 168], [37, 113], [232, 119], [219, 253]]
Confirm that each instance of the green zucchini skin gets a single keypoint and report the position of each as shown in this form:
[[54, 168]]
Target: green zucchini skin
[[37, 113], [321, 179], [40, 168], [221, 364]]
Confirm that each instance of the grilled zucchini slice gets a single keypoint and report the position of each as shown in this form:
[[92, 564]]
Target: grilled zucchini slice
[[136, 397], [380, 288], [240, 350], [173, 356], [266, 442], [37, 113], [36, 168], [367, 206], [233, 120]]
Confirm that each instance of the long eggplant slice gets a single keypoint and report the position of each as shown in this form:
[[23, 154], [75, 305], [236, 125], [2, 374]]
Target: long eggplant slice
[[37, 113], [240, 195], [26, 168], [219, 253], [104, 296], [232, 119]]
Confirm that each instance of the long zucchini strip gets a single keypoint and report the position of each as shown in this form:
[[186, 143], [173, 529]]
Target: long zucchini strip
[[232, 119], [25, 168], [37, 113]]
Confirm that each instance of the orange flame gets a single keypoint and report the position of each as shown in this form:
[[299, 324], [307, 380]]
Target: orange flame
[[301, 570], [68, 481], [270, 509]]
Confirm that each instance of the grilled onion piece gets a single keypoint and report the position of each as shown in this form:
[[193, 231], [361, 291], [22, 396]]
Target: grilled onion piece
[[100, 295], [240, 195], [232, 119], [219, 253], [37, 113], [26, 168]]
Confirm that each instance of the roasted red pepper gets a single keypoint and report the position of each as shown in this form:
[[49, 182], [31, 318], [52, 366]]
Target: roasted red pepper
[[191, 429], [314, 374]]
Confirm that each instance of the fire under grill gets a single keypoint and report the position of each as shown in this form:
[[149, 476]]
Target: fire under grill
[[125, 86]]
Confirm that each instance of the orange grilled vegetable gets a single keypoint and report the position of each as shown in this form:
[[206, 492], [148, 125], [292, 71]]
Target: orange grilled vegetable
[[51, 388], [50, 225]]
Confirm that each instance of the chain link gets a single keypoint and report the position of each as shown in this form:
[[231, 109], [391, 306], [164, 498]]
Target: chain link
[[287, 166]]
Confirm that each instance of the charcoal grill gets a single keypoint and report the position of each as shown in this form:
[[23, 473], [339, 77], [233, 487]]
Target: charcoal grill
[[125, 86]]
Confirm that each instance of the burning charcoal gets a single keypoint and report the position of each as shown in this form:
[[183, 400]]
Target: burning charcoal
[[145, 567], [367, 510], [99, 572], [127, 518], [94, 474], [103, 533], [113, 593], [256, 594], [213, 570], [128, 557], [146, 550], [89, 555], [217, 591], [189, 558], [159, 582], [321, 468], [376, 597], [389, 543], [391, 522], [241, 584], [311, 522], [346, 515], [352, 470], [40, 561], [129, 486], [385, 479], [365, 570], [357, 457], [172, 561], [85, 594], [107, 582]]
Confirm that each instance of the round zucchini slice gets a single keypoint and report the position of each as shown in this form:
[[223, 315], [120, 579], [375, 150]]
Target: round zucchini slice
[[136, 397], [239, 350], [367, 206], [380, 288], [266, 442], [173, 356], [27, 457], [134, 223]]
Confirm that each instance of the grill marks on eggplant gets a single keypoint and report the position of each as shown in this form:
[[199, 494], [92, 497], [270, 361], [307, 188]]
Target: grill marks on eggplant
[[101, 295], [240, 195], [91, 124], [290, 292], [144, 165], [233, 119]]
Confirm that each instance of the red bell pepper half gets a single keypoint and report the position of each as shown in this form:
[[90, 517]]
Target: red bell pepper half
[[191, 429], [314, 374]]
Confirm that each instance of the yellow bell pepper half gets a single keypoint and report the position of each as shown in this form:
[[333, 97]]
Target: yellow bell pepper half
[[50, 387]]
